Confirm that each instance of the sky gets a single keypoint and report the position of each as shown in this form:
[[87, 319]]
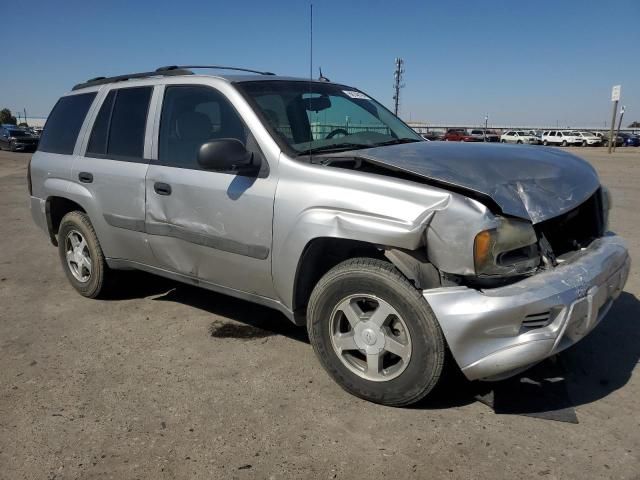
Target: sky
[[537, 63]]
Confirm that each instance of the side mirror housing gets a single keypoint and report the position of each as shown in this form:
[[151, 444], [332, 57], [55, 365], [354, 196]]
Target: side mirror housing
[[227, 155]]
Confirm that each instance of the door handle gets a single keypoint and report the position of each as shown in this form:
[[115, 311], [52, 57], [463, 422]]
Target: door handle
[[85, 177], [162, 188]]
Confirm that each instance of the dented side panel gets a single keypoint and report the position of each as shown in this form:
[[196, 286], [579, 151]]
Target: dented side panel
[[315, 201]]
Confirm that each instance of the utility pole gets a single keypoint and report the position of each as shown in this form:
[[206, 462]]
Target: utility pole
[[486, 120], [619, 123], [25, 114], [397, 75], [615, 98]]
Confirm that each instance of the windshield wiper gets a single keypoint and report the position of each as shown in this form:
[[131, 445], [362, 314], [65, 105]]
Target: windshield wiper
[[396, 141], [340, 147]]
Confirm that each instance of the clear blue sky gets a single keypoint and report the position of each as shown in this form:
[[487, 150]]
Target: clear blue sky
[[534, 62]]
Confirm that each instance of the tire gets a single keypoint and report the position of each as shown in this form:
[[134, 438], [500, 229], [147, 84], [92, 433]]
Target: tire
[[503, 141], [584, 143], [545, 143], [77, 225], [12, 146], [519, 142], [399, 384], [564, 143]]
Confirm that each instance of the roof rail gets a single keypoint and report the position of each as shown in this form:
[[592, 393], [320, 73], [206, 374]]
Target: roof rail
[[216, 67], [120, 78]]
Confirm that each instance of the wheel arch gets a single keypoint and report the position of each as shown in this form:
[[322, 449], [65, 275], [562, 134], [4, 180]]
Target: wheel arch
[[56, 207]]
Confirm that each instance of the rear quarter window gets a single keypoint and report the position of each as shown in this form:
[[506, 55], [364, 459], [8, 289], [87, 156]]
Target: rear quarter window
[[64, 123]]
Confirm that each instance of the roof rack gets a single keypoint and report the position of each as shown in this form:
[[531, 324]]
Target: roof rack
[[162, 71], [216, 67], [120, 78]]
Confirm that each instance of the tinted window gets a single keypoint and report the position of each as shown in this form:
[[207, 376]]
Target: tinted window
[[98, 138], [64, 123], [192, 116], [118, 131]]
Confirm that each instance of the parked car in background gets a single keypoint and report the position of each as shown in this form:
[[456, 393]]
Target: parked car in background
[[589, 138], [460, 135], [518, 136], [432, 136], [629, 140], [485, 135], [561, 137], [17, 139]]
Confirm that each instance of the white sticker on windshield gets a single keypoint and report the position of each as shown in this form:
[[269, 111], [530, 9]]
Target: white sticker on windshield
[[354, 94]]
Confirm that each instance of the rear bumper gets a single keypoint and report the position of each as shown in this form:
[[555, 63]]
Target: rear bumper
[[497, 332]]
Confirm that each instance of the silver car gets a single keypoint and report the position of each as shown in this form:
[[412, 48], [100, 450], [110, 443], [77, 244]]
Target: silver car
[[312, 198]]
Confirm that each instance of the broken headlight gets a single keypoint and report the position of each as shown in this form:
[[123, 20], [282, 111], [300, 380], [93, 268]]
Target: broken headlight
[[510, 249]]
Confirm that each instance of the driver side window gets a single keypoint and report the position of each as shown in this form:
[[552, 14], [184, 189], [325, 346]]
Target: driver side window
[[191, 116]]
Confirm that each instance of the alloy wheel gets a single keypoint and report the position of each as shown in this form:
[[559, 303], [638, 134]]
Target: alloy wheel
[[78, 256], [370, 338]]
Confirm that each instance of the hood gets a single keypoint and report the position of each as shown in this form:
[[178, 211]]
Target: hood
[[534, 183]]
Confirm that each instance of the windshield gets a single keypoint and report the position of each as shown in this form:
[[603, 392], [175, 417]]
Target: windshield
[[17, 133], [522, 134], [313, 116]]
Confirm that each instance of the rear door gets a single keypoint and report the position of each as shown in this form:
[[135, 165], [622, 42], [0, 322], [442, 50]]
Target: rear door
[[112, 167], [209, 225]]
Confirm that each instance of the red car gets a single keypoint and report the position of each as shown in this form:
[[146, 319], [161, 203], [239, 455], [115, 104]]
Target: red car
[[460, 135]]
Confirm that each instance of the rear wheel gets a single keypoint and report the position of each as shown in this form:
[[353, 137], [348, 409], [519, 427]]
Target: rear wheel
[[519, 142], [544, 142], [374, 333], [12, 146], [81, 255], [564, 143]]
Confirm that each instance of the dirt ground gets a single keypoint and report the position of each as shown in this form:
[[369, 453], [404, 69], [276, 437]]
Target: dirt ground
[[169, 381]]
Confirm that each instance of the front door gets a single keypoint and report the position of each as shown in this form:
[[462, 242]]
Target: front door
[[213, 226]]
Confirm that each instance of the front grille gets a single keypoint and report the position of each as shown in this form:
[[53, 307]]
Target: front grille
[[575, 229]]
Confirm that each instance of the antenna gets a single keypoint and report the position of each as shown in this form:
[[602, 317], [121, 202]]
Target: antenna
[[397, 75], [310, 72]]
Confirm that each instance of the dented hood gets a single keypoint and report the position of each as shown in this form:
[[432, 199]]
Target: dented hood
[[529, 182]]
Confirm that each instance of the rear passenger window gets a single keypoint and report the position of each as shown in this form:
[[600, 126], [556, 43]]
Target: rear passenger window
[[191, 116], [64, 123], [118, 131]]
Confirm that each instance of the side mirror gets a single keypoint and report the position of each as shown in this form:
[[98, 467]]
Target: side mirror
[[227, 155]]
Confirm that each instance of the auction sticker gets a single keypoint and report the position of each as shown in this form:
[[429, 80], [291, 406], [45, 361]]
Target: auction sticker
[[354, 94]]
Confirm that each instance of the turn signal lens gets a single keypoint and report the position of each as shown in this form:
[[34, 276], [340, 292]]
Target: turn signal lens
[[481, 247]]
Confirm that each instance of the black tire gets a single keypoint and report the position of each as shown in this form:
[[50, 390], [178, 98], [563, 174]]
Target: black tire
[[12, 146], [382, 280], [503, 141], [519, 142], [584, 143], [564, 143], [545, 143], [100, 272]]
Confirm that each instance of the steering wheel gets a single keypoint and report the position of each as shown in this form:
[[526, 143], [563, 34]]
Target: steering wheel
[[335, 132]]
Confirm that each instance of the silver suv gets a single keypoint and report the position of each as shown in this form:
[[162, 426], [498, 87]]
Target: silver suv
[[312, 198]]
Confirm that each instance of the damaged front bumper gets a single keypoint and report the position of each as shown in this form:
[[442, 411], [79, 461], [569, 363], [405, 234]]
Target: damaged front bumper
[[495, 333]]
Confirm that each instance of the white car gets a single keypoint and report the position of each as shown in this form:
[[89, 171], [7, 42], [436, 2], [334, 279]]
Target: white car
[[561, 137], [589, 138], [518, 136]]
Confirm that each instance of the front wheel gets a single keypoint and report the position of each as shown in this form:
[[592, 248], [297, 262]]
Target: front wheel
[[81, 255], [12, 146], [545, 143], [564, 143], [374, 333]]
